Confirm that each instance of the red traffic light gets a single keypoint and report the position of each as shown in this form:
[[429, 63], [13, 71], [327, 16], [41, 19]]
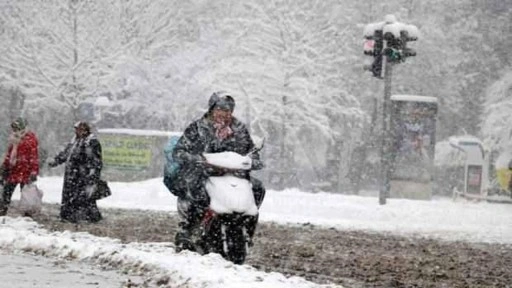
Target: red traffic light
[[368, 47]]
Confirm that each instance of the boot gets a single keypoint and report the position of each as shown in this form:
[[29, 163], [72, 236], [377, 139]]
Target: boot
[[251, 228], [3, 207], [183, 240]]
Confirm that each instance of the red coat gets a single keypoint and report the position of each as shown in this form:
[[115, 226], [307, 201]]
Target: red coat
[[27, 160]]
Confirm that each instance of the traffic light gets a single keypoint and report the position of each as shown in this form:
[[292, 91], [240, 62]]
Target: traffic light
[[388, 38], [407, 35], [394, 43], [396, 36], [373, 47], [377, 53], [394, 55]]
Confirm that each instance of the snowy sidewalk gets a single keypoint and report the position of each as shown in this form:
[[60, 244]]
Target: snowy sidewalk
[[28, 271]]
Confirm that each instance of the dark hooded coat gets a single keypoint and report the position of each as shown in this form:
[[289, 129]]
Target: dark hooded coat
[[83, 164], [199, 137]]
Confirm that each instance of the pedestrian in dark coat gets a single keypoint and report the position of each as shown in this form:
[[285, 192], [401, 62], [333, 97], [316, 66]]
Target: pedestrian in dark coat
[[83, 164], [21, 161], [217, 131]]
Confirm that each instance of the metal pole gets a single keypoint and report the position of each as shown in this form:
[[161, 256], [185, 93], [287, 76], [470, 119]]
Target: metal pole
[[385, 151]]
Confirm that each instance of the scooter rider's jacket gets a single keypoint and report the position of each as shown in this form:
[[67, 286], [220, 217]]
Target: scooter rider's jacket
[[198, 138]]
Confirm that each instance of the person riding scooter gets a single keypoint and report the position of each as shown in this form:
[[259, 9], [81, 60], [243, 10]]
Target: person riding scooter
[[216, 131]]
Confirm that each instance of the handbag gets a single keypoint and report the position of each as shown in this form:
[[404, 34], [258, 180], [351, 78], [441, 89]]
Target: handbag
[[101, 190]]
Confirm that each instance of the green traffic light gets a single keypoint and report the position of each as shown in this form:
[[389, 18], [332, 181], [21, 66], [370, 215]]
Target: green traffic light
[[394, 55]]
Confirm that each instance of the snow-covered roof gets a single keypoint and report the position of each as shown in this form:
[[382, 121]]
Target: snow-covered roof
[[459, 149], [138, 132], [414, 98], [458, 140], [472, 147]]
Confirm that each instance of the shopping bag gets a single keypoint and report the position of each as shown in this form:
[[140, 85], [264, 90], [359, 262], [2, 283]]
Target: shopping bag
[[31, 200]]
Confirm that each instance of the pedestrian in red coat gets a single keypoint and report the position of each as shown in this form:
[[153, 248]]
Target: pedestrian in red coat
[[21, 161]]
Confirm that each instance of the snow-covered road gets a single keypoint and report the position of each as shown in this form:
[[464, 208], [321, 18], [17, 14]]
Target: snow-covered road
[[444, 219]]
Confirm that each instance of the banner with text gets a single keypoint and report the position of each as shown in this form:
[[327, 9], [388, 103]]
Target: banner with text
[[126, 151]]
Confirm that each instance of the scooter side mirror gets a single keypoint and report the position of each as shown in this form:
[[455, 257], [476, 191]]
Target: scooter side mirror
[[258, 145]]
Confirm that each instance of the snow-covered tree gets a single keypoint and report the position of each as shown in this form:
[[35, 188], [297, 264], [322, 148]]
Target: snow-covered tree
[[294, 67], [284, 63], [497, 128]]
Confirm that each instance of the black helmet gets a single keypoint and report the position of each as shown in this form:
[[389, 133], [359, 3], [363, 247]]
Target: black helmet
[[221, 99]]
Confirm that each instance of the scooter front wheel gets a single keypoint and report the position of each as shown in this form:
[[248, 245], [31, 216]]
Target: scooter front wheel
[[236, 245]]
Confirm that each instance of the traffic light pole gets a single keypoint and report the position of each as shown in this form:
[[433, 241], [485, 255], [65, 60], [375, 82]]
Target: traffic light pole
[[385, 149], [386, 42]]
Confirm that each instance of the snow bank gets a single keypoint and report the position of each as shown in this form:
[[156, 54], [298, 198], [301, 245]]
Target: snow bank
[[155, 260]]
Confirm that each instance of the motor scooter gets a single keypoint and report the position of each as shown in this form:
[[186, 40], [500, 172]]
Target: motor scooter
[[232, 209]]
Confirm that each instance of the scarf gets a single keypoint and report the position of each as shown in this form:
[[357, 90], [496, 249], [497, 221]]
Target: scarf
[[77, 142], [14, 140], [223, 129]]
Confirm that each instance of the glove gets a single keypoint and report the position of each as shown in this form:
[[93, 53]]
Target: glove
[[32, 178], [52, 164], [247, 163], [198, 158]]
